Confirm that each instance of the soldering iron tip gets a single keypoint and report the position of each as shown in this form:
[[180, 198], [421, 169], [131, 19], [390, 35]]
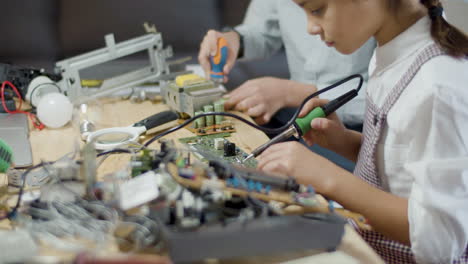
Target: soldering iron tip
[[247, 158]]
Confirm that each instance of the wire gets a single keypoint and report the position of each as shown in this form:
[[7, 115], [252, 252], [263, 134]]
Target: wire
[[37, 124], [264, 129], [12, 213], [114, 151]]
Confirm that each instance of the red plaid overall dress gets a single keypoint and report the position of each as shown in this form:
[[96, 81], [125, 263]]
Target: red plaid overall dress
[[366, 169]]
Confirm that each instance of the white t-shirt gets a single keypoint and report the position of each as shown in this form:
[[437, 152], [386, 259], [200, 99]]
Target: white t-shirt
[[423, 152]]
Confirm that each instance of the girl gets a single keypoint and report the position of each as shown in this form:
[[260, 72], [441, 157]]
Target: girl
[[412, 158]]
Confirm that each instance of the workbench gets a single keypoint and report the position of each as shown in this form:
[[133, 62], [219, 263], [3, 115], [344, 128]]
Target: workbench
[[51, 144]]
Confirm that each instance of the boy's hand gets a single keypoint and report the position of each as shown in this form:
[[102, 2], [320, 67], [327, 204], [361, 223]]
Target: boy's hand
[[259, 98], [208, 49]]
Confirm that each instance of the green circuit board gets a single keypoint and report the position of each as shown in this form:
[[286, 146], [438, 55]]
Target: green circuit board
[[205, 145]]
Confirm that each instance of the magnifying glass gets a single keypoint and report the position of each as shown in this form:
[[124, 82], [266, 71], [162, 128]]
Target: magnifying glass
[[109, 138]]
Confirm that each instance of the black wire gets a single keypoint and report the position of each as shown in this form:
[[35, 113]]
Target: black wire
[[12, 213], [114, 151], [264, 129]]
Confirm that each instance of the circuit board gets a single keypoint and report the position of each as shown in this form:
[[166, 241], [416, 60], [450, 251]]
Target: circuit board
[[225, 127], [205, 145]]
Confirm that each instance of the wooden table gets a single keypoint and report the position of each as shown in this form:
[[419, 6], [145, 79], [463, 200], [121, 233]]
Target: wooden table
[[51, 144]]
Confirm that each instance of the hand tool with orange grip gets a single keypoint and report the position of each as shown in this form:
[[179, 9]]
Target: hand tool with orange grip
[[219, 60]]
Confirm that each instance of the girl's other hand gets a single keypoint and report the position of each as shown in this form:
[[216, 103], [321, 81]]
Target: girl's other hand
[[327, 132], [292, 159]]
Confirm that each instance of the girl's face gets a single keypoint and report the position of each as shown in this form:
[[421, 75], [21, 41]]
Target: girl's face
[[344, 24]]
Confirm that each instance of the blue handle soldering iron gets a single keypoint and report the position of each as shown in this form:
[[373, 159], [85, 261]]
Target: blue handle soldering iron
[[302, 125], [219, 60]]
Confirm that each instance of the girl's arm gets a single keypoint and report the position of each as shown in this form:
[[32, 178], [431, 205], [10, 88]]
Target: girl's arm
[[387, 213]]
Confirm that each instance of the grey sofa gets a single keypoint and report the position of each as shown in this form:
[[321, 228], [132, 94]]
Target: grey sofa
[[38, 33]]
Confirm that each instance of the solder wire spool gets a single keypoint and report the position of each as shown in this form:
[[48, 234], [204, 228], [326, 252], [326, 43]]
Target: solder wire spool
[[219, 107], [209, 119]]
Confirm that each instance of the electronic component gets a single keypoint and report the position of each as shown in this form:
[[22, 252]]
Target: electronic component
[[286, 184], [260, 236], [20, 77], [10, 104], [6, 156], [219, 143], [54, 110], [229, 149], [190, 93], [205, 148]]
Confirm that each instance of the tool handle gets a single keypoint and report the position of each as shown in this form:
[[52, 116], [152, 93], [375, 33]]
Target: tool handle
[[303, 123], [219, 60], [157, 119]]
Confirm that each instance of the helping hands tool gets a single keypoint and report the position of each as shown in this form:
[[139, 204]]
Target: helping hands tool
[[302, 125], [110, 138], [219, 60]]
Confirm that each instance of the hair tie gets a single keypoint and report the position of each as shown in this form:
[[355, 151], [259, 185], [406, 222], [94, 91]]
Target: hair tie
[[435, 12]]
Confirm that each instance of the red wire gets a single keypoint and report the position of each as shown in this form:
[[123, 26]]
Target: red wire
[[37, 124]]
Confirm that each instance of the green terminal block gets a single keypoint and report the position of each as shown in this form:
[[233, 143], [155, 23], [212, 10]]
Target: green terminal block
[[6, 156]]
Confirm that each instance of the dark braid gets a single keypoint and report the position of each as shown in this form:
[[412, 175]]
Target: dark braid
[[448, 37]]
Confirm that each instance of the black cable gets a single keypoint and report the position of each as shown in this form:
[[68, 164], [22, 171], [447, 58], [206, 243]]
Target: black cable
[[264, 129], [12, 213], [114, 151]]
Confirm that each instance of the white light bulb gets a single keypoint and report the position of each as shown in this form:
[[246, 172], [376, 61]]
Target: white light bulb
[[54, 110]]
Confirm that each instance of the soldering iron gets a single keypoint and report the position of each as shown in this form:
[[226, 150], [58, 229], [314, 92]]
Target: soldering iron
[[267, 130], [302, 125]]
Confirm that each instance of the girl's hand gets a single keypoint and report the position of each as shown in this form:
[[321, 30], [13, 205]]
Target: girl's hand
[[292, 159], [327, 132]]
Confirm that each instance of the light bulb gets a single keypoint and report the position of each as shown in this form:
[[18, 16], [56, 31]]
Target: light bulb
[[54, 110]]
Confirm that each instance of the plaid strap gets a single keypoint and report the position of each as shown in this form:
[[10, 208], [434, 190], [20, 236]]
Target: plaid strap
[[366, 167]]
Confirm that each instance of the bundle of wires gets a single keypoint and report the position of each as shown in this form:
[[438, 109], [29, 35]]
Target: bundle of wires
[[37, 124]]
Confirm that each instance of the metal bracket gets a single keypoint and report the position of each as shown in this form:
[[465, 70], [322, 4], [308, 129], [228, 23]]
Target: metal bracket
[[157, 70]]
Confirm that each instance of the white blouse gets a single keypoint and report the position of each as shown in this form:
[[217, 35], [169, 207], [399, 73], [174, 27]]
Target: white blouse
[[423, 152]]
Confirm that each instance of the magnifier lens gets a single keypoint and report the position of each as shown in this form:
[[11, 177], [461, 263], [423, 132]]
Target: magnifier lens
[[113, 138]]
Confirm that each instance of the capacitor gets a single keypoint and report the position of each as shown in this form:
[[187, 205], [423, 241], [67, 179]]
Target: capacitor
[[209, 119], [219, 107], [200, 121], [229, 149]]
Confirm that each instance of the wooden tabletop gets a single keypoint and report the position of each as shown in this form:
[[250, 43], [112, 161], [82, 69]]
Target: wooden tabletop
[[51, 144]]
